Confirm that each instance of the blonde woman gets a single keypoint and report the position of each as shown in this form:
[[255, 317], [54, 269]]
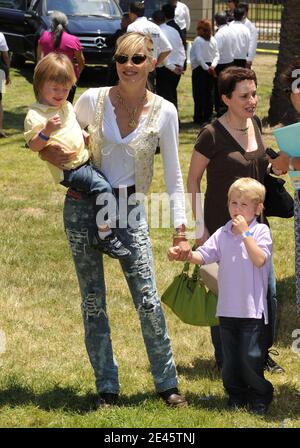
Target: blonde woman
[[127, 122]]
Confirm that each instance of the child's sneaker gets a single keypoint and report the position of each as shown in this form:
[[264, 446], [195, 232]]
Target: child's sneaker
[[111, 246]]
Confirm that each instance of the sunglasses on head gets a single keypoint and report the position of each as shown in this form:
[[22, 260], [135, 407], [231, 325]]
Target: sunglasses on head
[[136, 59]]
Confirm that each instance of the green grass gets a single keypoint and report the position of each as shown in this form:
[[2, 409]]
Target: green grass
[[46, 379]]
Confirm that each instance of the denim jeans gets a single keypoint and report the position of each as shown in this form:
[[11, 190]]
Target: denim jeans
[[243, 364], [269, 329], [89, 180], [138, 270]]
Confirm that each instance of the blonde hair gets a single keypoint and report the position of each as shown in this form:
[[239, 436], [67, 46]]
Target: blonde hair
[[55, 67], [133, 41], [250, 188]]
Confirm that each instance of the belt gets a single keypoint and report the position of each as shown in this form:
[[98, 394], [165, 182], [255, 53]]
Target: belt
[[124, 191]]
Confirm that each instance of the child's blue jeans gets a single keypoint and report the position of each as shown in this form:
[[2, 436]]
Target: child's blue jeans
[[243, 344]]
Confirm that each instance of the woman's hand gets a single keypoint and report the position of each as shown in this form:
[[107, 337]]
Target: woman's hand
[[57, 155], [180, 252], [281, 163]]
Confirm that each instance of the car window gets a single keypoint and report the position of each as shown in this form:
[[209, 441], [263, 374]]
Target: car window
[[83, 7], [14, 4]]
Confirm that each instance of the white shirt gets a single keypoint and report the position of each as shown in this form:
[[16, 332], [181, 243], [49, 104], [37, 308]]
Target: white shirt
[[242, 39], [253, 39], [117, 162], [177, 55], [182, 16], [225, 42], [3, 44], [203, 51], [161, 43]]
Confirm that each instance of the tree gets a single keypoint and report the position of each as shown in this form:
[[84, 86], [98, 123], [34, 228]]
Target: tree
[[281, 110]]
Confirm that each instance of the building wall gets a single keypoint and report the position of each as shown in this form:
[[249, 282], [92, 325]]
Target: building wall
[[199, 9]]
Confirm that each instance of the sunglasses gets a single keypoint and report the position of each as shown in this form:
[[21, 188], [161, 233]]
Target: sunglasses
[[136, 59]]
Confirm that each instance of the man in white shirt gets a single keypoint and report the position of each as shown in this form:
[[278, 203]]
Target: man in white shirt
[[253, 34], [182, 17], [162, 46], [4, 76], [169, 72], [226, 42], [242, 35]]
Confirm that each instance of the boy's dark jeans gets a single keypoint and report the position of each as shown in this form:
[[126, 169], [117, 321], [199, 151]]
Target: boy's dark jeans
[[243, 360], [87, 179]]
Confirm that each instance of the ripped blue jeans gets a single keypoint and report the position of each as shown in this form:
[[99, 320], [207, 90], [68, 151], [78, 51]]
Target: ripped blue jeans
[[139, 273]]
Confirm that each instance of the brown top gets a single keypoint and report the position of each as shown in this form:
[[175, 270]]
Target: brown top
[[228, 161]]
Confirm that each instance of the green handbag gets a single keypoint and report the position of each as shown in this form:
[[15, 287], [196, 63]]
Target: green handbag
[[189, 300]]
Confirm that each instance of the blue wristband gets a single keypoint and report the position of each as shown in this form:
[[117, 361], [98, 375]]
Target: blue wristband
[[43, 137], [246, 234]]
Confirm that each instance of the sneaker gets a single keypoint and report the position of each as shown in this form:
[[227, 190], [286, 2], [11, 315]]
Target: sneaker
[[111, 246], [271, 365]]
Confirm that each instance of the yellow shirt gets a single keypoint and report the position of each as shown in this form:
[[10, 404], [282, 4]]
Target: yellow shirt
[[68, 135]]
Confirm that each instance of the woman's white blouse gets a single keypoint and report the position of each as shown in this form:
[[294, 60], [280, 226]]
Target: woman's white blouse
[[203, 51], [117, 156]]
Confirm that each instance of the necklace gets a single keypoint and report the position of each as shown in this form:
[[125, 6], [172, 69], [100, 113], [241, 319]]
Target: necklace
[[244, 131], [131, 111]]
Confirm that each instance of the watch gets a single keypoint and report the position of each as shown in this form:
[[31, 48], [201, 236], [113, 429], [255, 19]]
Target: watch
[[246, 234]]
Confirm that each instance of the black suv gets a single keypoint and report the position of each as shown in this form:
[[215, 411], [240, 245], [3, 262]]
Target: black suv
[[92, 21]]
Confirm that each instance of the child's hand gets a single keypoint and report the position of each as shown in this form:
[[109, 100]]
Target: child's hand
[[174, 253], [239, 225], [53, 124]]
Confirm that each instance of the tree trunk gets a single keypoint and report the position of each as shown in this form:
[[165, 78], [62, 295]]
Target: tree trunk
[[281, 110]]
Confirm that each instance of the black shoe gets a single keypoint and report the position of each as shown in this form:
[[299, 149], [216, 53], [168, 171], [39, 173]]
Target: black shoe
[[173, 398], [271, 365], [105, 400], [111, 246], [259, 409]]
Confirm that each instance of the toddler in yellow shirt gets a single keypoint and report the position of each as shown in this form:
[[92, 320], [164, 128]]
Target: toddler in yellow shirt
[[52, 120]]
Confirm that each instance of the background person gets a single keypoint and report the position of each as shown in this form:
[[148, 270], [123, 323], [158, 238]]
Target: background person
[[253, 34], [4, 67], [228, 148], [169, 72], [225, 39], [204, 58], [60, 41], [284, 162], [127, 122], [242, 38]]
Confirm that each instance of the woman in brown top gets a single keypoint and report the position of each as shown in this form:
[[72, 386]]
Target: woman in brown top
[[229, 148]]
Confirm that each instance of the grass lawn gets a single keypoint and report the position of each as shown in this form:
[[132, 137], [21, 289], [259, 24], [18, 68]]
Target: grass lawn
[[46, 379]]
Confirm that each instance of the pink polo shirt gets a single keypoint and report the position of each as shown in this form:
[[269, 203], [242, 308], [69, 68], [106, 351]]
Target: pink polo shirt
[[68, 45], [242, 286]]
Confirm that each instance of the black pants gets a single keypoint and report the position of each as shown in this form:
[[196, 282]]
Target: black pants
[[203, 85], [243, 367], [166, 84], [220, 107]]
